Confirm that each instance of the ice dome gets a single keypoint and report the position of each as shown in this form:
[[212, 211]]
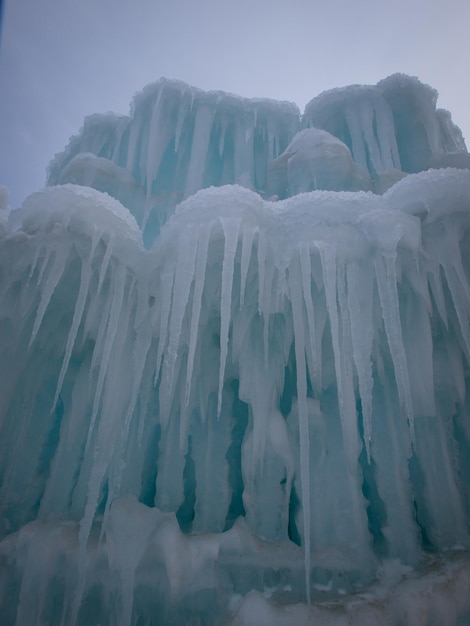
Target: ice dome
[[315, 159], [234, 357]]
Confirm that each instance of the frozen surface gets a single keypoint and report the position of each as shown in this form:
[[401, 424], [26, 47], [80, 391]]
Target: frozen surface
[[315, 160], [261, 417], [393, 125], [178, 139]]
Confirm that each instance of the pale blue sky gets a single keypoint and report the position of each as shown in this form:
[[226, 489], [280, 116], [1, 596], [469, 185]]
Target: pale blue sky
[[61, 59]]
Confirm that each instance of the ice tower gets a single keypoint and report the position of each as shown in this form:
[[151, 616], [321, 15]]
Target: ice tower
[[234, 361]]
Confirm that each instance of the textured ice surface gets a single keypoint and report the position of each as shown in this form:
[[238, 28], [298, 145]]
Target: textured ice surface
[[178, 139], [315, 160], [262, 417]]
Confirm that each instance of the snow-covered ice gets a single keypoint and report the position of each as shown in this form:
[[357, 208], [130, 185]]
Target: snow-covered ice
[[234, 355]]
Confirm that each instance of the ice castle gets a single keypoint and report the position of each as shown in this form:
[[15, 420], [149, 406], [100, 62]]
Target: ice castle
[[234, 360]]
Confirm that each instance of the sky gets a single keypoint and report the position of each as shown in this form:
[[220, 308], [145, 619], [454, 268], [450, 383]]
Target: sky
[[61, 60]]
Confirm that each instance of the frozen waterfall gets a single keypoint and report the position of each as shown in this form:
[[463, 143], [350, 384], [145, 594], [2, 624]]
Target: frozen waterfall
[[233, 387]]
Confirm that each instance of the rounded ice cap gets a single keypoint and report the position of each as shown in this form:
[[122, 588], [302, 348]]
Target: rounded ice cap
[[432, 194], [86, 208], [228, 201], [316, 159]]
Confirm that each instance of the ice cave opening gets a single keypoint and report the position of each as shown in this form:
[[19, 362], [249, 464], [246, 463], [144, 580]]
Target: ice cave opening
[[234, 363]]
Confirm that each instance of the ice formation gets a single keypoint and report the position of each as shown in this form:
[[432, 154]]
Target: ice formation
[[233, 387]]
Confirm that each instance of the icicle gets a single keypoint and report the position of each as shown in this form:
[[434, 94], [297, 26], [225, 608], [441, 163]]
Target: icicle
[[360, 297], [263, 287], [112, 429], [461, 299], [435, 282], [269, 137], [148, 206], [200, 146], [419, 349], [135, 131], [414, 274], [456, 279], [111, 329], [266, 318], [231, 229], [185, 267], [48, 254], [34, 263], [387, 286], [321, 315], [261, 270], [143, 341], [247, 244], [306, 271], [166, 290], [357, 139], [158, 137], [53, 277], [349, 417], [312, 276], [239, 151], [77, 314], [102, 327], [269, 293], [105, 261], [200, 273], [145, 388], [183, 111], [117, 143], [304, 436], [328, 259], [223, 131]]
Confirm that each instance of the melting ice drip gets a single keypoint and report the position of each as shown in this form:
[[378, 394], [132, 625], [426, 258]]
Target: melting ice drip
[[269, 398]]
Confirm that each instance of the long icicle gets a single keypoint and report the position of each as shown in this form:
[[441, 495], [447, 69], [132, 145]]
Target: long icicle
[[387, 285], [77, 314], [185, 268], [349, 416], [166, 290], [247, 245], [231, 228], [360, 282], [201, 262], [53, 277], [117, 300], [306, 269], [299, 344]]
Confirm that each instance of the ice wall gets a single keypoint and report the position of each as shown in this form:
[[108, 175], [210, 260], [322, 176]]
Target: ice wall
[[264, 410], [178, 139], [393, 125]]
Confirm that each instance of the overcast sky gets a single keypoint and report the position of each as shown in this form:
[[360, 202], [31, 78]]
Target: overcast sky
[[61, 60]]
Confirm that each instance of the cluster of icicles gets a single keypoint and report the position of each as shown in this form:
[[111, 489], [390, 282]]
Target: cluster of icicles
[[325, 317]]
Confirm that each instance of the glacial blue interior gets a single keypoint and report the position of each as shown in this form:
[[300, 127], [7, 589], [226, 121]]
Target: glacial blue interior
[[234, 356]]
